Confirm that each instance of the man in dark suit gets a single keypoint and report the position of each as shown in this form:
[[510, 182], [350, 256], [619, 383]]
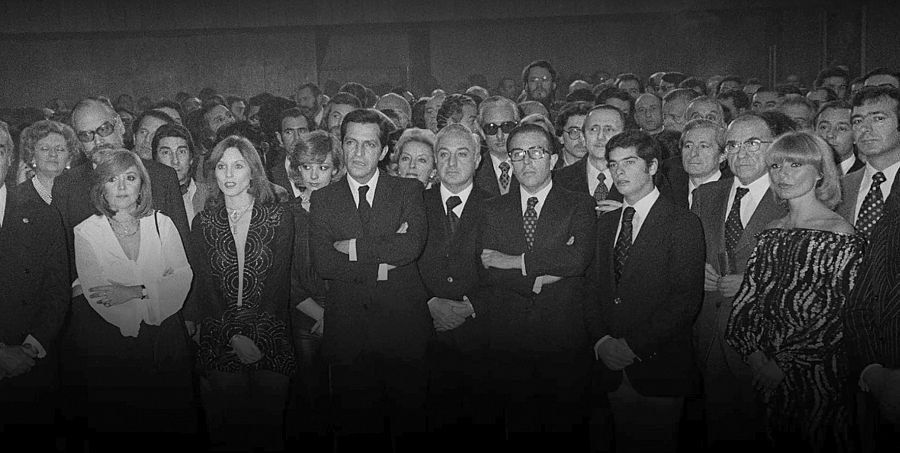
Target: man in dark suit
[[569, 124], [34, 277], [537, 244], [872, 319], [875, 132], [834, 126], [648, 285], [732, 211], [590, 175], [293, 123], [497, 116], [367, 232], [700, 162], [451, 270]]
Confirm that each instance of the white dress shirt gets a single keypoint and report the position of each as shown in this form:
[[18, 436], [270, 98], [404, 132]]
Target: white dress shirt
[[641, 209], [889, 173], [99, 259], [751, 199], [691, 187], [2, 203], [188, 198], [847, 164], [592, 180]]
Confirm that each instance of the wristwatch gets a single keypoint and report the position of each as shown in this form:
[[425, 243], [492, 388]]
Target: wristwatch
[[144, 293]]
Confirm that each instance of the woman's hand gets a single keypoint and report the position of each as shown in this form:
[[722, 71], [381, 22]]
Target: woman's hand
[[245, 349], [767, 376], [115, 293]]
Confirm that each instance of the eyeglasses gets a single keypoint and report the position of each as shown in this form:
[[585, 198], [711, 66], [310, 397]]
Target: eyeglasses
[[574, 133], [751, 146], [105, 130], [540, 79], [536, 153], [506, 127]]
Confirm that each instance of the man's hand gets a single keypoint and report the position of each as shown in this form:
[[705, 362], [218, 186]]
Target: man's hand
[[343, 246], [767, 375], [607, 206], [711, 279], [614, 353], [730, 284], [14, 360], [884, 385], [245, 349], [443, 316], [493, 258]]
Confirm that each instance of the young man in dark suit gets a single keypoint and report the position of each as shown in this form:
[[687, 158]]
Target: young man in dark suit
[[497, 116], [648, 286], [537, 244], [590, 175], [451, 270], [733, 211], [34, 277], [367, 230]]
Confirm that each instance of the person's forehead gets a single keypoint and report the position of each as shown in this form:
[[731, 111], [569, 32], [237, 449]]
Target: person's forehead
[[173, 142], [675, 104], [620, 153], [647, 100], [885, 104], [294, 122], [700, 134], [835, 114], [629, 82], [528, 139], [416, 148], [880, 79], [538, 71], [93, 114], [305, 91], [575, 120], [342, 108], [499, 110], [834, 80], [603, 116], [747, 128], [797, 109], [151, 122], [455, 140], [232, 154], [704, 106], [217, 110], [364, 131]]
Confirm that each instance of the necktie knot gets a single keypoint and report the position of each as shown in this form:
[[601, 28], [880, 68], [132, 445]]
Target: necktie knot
[[628, 215], [184, 188], [877, 179], [453, 202], [741, 191], [363, 190], [601, 177], [504, 167], [532, 202]]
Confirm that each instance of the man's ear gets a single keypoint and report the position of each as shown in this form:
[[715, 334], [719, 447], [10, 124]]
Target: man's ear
[[384, 152], [553, 159], [280, 141], [654, 167]]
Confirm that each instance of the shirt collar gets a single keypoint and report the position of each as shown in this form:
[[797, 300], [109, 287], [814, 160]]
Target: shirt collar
[[714, 177], [463, 197], [373, 183], [495, 161], [541, 196], [757, 188], [889, 173], [642, 207]]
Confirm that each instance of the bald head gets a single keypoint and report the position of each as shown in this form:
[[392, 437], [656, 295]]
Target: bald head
[[707, 108], [97, 126]]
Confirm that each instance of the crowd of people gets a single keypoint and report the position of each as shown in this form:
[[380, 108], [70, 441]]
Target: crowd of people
[[662, 264]]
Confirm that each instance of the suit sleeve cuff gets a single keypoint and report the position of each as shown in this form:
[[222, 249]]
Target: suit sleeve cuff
[[862, 376], [31, 341], [353, 249], [605, 337]]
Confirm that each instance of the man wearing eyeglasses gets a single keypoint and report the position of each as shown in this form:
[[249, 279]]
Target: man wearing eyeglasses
[[568, 126], [497, 117], [732, 211], [537, 243], [590, 175], [539, 79]]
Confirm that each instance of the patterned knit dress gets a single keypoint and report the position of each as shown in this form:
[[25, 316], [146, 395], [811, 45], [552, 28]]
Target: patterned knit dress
[[790, 307]]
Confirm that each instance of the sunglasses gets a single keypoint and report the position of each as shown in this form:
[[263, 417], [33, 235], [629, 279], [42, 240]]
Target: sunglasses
[[506, 127], [104, 130]]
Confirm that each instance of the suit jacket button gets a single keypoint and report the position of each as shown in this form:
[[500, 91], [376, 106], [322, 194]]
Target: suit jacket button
[[449, 279], [617, 300]]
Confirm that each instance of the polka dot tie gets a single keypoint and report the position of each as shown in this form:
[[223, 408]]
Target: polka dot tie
[[623, 242], [530, 221], [504, 176], [733, 225], [872, 207], [601, 192]]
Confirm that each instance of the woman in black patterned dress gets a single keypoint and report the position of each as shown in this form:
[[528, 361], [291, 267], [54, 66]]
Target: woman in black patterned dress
[[241, 250], [786, 319]]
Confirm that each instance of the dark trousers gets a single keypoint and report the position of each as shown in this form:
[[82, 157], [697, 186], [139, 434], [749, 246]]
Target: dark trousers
[[307, 418], [544, 396], [376, 393], [644, 423], [245, 411], [29, 403]]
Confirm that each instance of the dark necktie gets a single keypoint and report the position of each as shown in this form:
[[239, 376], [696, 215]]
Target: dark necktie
[[623, 242], [601, 192], [872, 207], [733, 225], [452, 218], [184, 188], [530, 221], [364, 209], [504, 176]]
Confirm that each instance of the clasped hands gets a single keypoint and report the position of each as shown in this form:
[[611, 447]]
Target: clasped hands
[[448, 314], [15, 360], [727, 285], [615, 353], [245, 349]]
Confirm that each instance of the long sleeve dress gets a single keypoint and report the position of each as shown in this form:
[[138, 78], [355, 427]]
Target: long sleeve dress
[[790, 307], [256, 305]]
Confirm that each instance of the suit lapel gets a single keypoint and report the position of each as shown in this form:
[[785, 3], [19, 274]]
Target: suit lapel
[[382, 206], [486, 178], [606, 240], [551, 212], [766, 211], [346, 205], [513, 216], [585, 187], [646, 242]]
